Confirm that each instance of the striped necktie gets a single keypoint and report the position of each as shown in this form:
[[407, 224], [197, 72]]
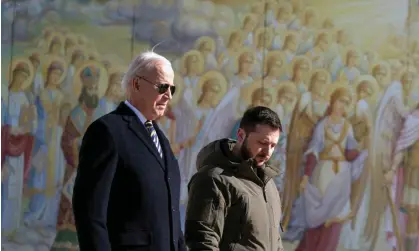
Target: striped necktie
[[150, 128]]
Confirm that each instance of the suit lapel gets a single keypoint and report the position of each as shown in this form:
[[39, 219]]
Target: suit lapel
[[141, 132]]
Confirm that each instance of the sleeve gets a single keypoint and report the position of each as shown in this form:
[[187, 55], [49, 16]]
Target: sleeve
[[205, 213], [97, 164]]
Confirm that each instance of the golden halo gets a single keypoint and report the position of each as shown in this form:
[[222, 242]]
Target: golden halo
[[48, 60], [13, 65], [372, 83], [72, 37], [409, 69], [48, 29], [251, 17], [180, 86], [296, 60], [324, 72], [92, 55], [383, 64], [287, 85], [54, 35], [203, 39], [71, 51], [201, 61], [344, 53], [242, 51], [278, 55], [212, 75], [103, 79], [332, 88], [30, 52], [261, 31], [321, 33], [292, 33], [247, 93]]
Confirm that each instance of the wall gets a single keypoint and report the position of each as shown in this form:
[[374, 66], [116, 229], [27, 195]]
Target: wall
[[306, 51]]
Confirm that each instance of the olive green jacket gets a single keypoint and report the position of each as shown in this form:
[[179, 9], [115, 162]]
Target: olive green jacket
[[232, 206]]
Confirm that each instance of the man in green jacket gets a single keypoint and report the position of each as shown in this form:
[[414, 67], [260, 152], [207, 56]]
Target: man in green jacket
[[234, 204]]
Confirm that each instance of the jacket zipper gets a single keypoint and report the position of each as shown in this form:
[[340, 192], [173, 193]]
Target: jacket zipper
[[268, 211]]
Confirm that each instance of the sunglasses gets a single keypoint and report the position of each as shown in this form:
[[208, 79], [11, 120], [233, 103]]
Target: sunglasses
[[161, 88]]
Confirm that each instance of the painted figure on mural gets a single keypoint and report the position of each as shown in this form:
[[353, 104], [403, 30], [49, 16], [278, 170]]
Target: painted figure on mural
[[308, 111], [206, 46], [211, 87], [113, 95], [246, 66], [395, 165], [42, 181], [226, 57], [88, 76], [17, 143], [77, 57], [287, 95], [38, 81], [169, 121], [254, 95], [274, 68], [299, 73], [333, 162], [248, 28]]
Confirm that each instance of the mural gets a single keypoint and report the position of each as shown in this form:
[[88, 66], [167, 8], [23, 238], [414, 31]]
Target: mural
[[342, 75]]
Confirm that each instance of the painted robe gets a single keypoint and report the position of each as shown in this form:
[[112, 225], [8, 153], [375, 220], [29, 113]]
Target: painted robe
[[77, 123], [333, 163], [16, 153]]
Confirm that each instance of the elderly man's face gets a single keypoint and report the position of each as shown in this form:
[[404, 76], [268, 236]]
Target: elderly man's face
[[147, 94]]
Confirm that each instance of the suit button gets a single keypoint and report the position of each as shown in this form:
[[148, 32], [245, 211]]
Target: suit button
[[168, 178], [173, 209]]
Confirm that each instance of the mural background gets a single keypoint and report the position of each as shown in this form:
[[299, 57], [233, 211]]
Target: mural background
[[227, 54]]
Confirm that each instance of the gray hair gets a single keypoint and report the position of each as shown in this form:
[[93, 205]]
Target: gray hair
[[143, 63]]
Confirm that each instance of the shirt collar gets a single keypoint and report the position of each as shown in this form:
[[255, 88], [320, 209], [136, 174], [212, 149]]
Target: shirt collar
[[136, 111]]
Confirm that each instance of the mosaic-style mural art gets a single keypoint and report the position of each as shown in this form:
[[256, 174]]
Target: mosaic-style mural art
[[342, 75]]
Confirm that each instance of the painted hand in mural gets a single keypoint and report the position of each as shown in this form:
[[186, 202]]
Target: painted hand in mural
[[303, 183], [389, 177]]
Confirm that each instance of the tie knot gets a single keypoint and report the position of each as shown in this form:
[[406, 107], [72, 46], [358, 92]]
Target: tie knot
[[148, 124]]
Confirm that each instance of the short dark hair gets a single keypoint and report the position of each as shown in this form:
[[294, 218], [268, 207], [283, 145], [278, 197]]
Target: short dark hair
[[260, 115]]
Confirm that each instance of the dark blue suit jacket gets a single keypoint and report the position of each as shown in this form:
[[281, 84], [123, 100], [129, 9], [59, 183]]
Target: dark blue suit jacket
[[126, 197]]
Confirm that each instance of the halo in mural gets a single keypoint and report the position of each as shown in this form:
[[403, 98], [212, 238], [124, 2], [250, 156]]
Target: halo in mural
[[347, 89], [180, 86], [204, 40], [55, 36], [199, 58], [273, 57], [287, 86], [77, 48], [26, 64], [299, 60], [48, 60], [367, 81], [103, 77], [217, 77], [248, 92]]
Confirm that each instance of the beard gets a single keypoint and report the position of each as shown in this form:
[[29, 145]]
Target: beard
[[91, 101], [247, 154]]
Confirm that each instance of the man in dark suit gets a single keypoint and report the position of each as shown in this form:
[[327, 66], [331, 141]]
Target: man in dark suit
[[126, 193]]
